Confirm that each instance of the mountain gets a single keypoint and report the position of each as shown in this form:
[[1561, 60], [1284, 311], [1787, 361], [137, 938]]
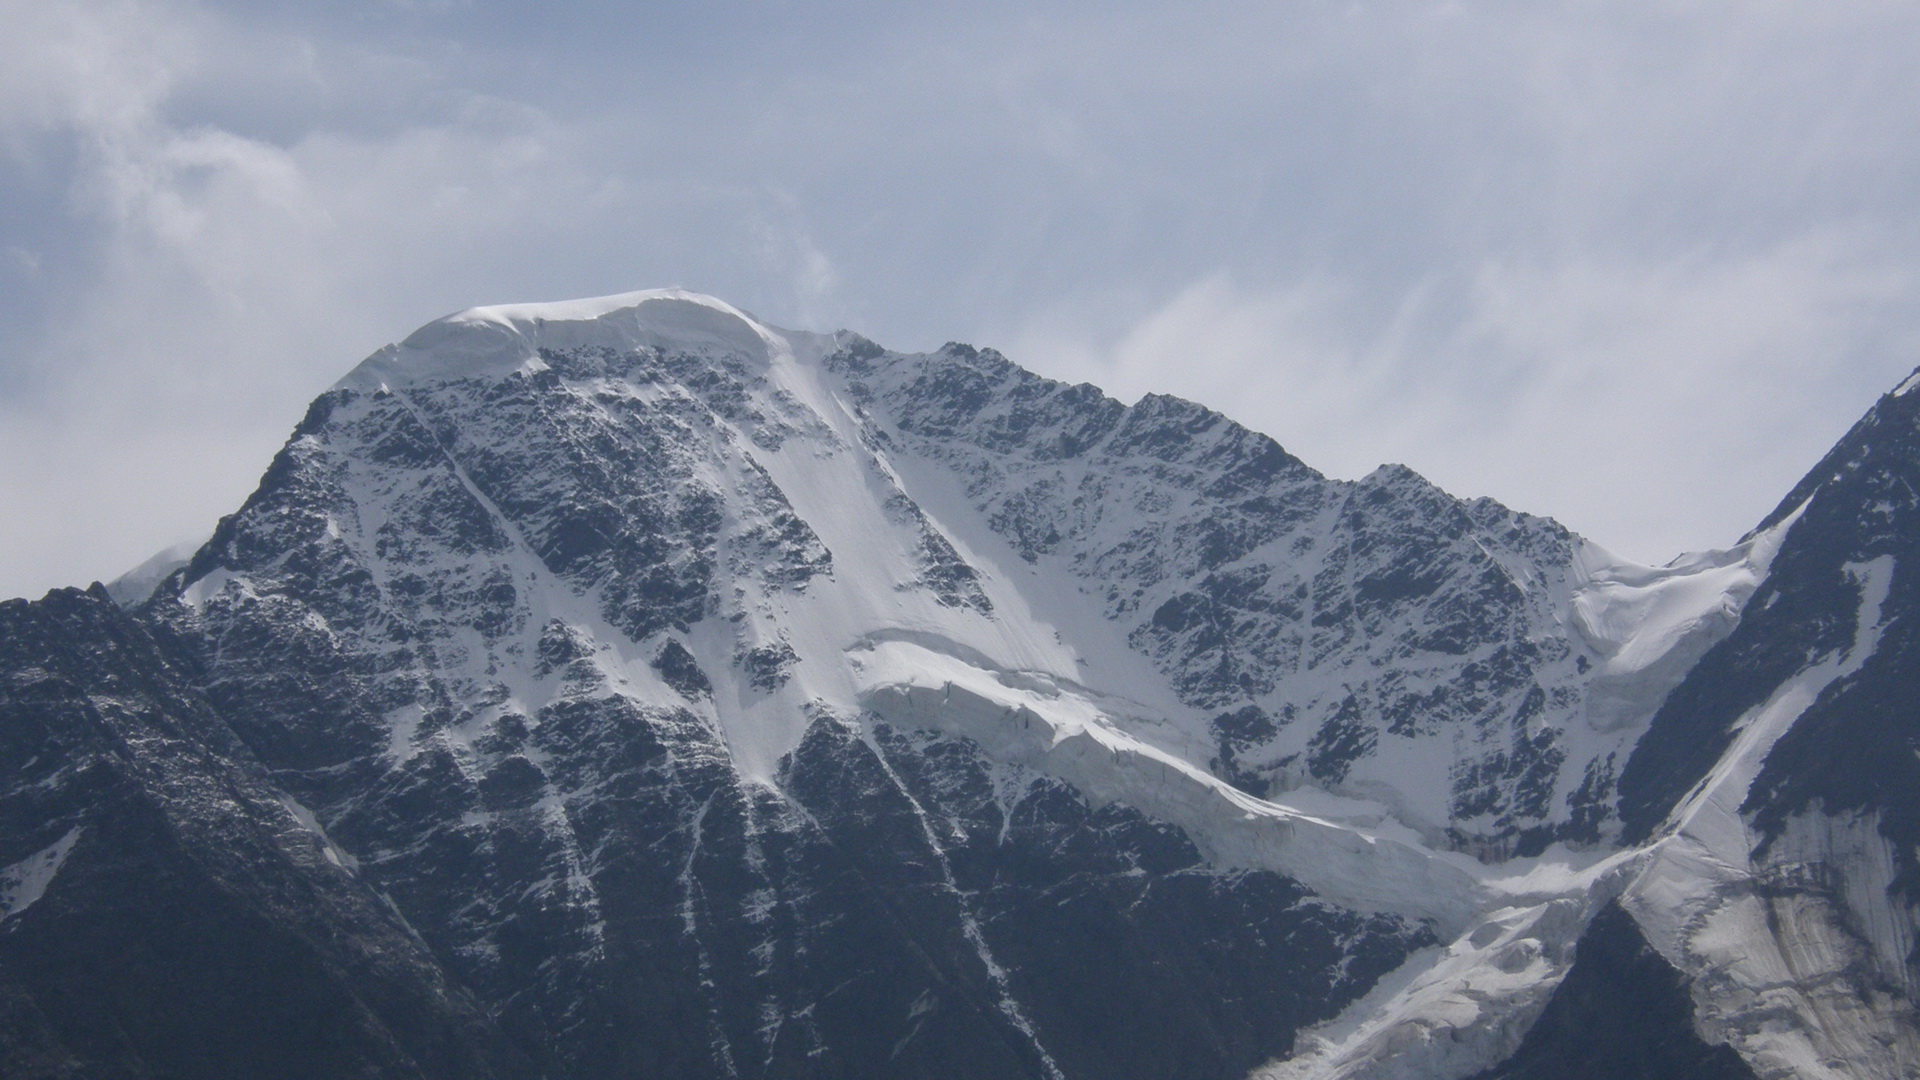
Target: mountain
[[627, 687]]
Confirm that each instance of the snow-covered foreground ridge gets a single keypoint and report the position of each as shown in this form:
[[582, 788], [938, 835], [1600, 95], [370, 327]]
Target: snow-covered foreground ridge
[[1410, 704]]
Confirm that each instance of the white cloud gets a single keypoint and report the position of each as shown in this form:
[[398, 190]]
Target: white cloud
[[1674, 402], [102, 67], [1632, 266]]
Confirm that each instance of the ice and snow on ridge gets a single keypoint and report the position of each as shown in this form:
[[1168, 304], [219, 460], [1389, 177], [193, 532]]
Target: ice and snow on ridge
[[497, 339], [1348, 851], [1071, 733], [134, 586], [1379, 638], [1648, 625]]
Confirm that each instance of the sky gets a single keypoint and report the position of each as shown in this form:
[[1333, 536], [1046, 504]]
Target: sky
[[1632, 265]]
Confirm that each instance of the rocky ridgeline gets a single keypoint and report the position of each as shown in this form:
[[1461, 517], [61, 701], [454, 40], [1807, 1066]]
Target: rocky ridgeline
[[1312, 618]]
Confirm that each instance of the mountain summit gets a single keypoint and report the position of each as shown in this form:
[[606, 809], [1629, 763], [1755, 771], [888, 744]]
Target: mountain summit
[[626, 686]]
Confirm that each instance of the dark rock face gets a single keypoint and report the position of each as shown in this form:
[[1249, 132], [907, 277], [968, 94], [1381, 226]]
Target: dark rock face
[[1234, 732], [680, 670], [1853, 751], [768, 667], [1109, 926], [1622, 1013], [193, 924], [902, 913]]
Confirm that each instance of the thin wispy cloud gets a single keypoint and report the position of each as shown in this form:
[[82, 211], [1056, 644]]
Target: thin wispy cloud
[[1634, 266]]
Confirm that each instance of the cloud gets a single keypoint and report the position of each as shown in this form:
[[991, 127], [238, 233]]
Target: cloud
[[1675, 402], [102, 67], [1631, 266]]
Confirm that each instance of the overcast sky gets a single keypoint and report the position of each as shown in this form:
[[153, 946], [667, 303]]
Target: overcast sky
[[1632, 265]]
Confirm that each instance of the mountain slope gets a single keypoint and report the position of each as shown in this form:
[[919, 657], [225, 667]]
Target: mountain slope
[[141, 841], [1784, 768], [715, 700], [565, 654], [1620, 1012]]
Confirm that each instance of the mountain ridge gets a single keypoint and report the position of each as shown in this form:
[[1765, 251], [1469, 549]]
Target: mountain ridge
[[723, 700]]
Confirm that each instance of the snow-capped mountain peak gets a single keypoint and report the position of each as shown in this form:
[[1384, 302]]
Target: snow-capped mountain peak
[[723, 700], [497, 339]]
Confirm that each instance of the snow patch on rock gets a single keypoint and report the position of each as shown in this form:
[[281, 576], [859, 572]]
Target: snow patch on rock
[[25, 882]]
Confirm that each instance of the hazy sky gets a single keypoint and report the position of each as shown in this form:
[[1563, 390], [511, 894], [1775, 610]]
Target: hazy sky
[[1632, 265]]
